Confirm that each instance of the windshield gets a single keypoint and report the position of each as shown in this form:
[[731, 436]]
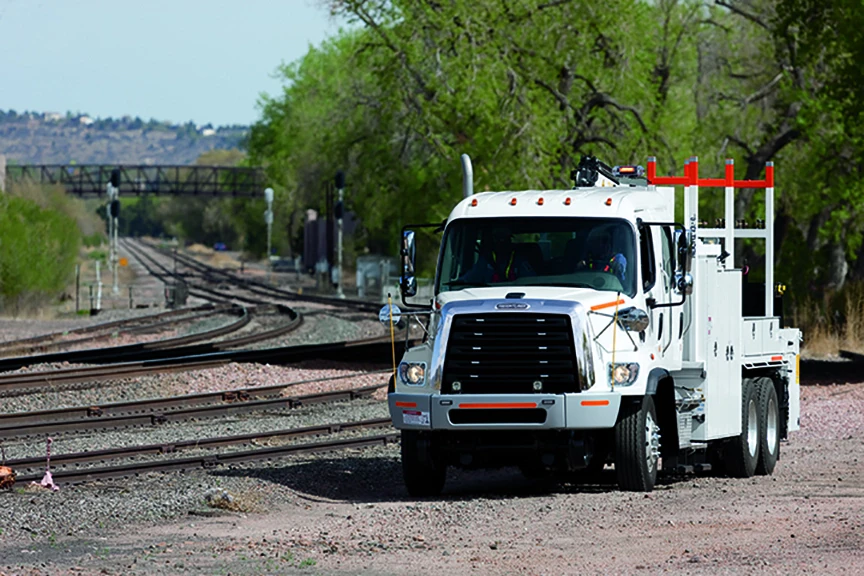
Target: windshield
[[597, 253]]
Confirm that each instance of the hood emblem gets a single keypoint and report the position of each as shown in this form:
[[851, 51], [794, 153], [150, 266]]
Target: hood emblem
[[512, 306]]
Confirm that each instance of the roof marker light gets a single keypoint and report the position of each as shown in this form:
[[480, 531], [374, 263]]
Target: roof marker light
[[513, 202], [567, 201], [474, 202], [540, 201], [608, 201]]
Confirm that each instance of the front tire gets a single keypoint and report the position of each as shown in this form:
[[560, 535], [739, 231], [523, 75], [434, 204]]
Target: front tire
[[742, 451], [769, 426], [423, 469], [637, 446]]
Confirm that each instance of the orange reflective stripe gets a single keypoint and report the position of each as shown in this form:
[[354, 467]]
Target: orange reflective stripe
[[595, 402], [406, 404], [607, 304]]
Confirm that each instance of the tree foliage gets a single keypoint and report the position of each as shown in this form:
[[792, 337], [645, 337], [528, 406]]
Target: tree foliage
[[527, 87]]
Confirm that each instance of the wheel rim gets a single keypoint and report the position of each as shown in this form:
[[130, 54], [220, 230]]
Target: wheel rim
[[771, 425], [752, 428], [652, 442]]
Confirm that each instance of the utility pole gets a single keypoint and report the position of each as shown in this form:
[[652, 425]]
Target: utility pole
[[268, 218], [338, 211]]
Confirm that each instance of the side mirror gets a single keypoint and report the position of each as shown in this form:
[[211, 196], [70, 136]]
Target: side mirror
[[408, 279], [684, 261], [633, 319]]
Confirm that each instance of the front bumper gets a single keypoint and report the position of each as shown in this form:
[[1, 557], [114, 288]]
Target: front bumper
[[503, 411]]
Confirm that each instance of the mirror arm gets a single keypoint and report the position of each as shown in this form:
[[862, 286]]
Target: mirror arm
[[410, 306], [669, 304]]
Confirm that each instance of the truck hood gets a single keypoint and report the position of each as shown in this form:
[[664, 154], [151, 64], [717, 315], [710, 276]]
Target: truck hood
[[585, 296]]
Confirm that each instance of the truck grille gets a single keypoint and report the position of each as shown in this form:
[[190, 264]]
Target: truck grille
[[507, 353]]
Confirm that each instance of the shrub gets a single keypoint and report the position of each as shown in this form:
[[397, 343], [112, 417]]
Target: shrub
[[38, 249]]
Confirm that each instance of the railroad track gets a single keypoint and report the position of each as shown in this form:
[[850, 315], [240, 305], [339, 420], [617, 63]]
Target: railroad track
[[264, 289], [208, 461], [162, 349], [130, 407], [179, 360], [198, 291], [145, 412], [139, 323], [101, 456]]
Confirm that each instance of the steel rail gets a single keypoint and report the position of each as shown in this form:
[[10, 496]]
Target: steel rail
[[207, 411], [132, 322], [234, 395], [105, 335], [203, 292], [181, 346], [62, 460], [198, 462], [100, 373], [262, 288], [346, 351]]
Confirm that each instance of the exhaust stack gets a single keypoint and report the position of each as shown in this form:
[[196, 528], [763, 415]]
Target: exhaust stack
[[467, 176]]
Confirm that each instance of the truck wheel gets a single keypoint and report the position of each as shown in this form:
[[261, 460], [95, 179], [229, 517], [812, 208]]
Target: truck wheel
[[422, 469], [742, 451], [769, 426], [637, 446]]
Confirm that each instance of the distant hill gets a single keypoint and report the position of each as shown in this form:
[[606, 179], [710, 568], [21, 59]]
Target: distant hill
[[52, 138]]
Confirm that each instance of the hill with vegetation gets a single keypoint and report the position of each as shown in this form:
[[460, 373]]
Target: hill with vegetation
[[53, 138]]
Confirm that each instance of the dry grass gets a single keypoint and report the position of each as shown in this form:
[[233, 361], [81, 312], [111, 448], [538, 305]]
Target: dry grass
[[833, 325], [224, 500]]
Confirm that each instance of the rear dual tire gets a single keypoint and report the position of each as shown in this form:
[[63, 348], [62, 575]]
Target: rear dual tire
[[742, 451], [769, 426], [756, 449]]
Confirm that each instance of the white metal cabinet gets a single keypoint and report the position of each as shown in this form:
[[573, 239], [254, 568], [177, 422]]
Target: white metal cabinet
[[719, 308]]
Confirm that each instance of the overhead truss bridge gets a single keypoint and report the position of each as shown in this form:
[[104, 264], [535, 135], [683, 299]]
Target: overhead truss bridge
[[138, 180]]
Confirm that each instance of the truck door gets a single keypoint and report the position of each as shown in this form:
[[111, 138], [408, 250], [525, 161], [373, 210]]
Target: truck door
[[652, 286], [673, 340], [658, 271]]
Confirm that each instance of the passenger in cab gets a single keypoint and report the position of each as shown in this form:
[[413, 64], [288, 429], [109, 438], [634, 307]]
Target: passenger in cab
[[498, 261]]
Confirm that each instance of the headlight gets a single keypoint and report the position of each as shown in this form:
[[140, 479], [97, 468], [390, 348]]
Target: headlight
[[413, 373], [623, 374]]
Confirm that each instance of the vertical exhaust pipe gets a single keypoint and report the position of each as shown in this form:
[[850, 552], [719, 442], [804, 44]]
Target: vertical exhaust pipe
[[467, 176]]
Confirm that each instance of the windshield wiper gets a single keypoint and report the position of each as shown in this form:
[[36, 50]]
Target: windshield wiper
[[565, 285], [464, 284]]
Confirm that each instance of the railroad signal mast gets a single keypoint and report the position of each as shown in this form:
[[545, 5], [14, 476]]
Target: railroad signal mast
[[571, 329]]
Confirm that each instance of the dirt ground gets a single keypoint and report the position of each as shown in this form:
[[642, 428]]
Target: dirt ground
[[348, 513]]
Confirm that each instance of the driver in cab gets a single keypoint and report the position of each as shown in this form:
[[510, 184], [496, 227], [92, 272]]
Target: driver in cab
[[498, 261], [601, 257]]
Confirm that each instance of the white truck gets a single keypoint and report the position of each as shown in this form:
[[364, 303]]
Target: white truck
[[574, 329]]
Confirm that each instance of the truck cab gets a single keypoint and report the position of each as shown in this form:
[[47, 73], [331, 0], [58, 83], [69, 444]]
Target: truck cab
[[575, 329]]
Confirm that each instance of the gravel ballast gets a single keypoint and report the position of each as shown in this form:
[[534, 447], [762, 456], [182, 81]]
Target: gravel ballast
[[348, 512]]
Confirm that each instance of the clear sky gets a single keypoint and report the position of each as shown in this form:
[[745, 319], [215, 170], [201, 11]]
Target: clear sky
[[176, 60]]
